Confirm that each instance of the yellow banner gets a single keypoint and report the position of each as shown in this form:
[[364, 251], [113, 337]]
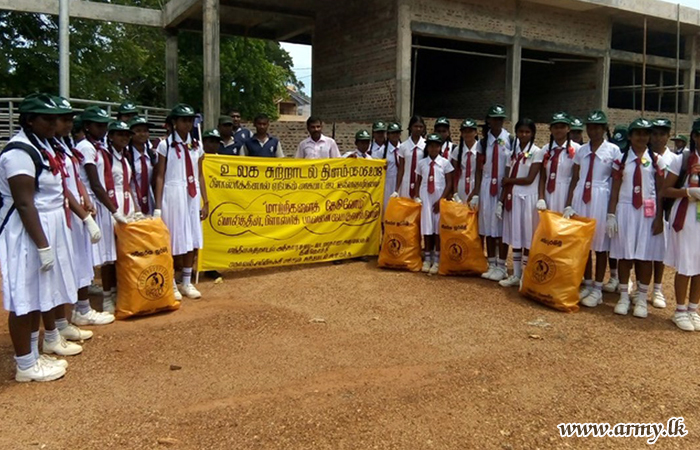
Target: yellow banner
[[266, 212]]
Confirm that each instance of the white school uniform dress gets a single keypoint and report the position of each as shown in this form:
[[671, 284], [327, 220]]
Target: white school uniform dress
[[635, 239], [520, 223], [392, 167], [138, 158], [556, 201], [597, 207], [25, 286], [465, 184], [357, 154], [122, 183], [489, 225], [82, 245], [429, 221], [180, 212], [104, 251], [682, 246], [446, 150], [324, 148], [408, 150]]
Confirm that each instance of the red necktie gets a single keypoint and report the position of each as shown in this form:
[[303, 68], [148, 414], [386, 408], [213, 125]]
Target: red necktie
[[431, 178], [126, 180], [61, 164], [637, 180], [589, 181], [552, 182], [494, 170], [679, 221], [191, 187], [468, 175], [414, 159], [109, 179], [143, 185], [396, 157], [509, 188], [446, 152]]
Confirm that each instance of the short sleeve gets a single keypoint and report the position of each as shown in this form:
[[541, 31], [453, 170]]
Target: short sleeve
[[300, 151], [455, 153], [88, 151], [577, 157], [419, 167], [334, 152], [17, 162], [537, 156], [675, 165], [162, 148], [447, 166], [660, 162]]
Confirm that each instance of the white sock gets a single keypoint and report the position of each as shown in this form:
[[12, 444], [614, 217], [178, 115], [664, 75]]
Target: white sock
[[517, 263], [61, 324], [34, 339], [51, 335], [588, 283], [692, 307], [642, 292], [492, 262], [113, 290], [598, 286], [83, 306], [501, 263], [613, 273], [525, 258], [186, 275], [681, 308], [106, 294], [426, 256], [27, 361], [624, 293], [657, 287], [436, 256]]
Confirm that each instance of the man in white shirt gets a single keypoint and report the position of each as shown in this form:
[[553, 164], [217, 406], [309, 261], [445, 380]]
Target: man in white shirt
[[317, 146]]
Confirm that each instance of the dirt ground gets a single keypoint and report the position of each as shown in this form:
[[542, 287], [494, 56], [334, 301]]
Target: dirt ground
[[351, 356]]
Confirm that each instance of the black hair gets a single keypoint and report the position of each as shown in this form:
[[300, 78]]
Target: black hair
[[426, 153], [24, 119], [264, 117], [313, 119], [529, 123], [414, 120], [551, 141], [233, 110], [460, 149]]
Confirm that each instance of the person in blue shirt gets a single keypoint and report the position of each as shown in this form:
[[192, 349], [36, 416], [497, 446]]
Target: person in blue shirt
[[240, 134], [228, 142], [261, 144]]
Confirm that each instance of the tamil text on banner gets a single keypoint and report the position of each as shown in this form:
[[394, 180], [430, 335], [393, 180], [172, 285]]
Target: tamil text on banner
[[266, 212]]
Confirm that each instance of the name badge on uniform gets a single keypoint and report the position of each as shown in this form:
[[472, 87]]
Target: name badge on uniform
[[190, 179], [110, 192], [431, 179], [469, 180], [494, 181], [552, 175], [588, 184]]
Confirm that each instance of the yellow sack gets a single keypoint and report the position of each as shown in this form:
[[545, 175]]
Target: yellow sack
[[401, 243], [144, 269], [558, 260], [461, 251]]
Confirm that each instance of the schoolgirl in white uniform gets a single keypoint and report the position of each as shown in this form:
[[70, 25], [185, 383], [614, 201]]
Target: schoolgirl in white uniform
[[410, 152], [142, 158], [464, 160], [96, 174], [119, 135], [557, 165], [635, 215], [442, 129], [589, 196], [496, 148], [181, 196], [682, 184], [520, 194], [390, 153], [36, 248], [434, 177], [362, 144], [379, 135]]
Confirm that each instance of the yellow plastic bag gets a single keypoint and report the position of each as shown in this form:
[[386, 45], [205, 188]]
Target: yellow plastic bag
[[401, 243], [558, 260], [461, 251], [144, 269]]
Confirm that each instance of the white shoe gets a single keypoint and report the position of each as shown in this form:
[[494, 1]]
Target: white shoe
[[176, 293], [658, 300], [499, 273], [189, 291], [40, 372], [73, 333], [584, 292], [682, 321], [62, 347], [108, 305], [511, 281], [91, 317], [487, 275], [640, 309], [612, 285], [46, 359], [426, 266], [593, 299], [695, 320], [434, 269], [623, 306], [94, 289]]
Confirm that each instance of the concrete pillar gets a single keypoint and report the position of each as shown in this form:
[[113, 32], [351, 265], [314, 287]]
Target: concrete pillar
[[64, 48], [513, 69], [403, 63], [212, 76], [171, 70], [688, 98], [603, 73]]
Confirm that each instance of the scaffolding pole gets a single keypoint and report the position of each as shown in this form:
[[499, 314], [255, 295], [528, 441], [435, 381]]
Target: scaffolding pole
[[678, 64], [644, 66]]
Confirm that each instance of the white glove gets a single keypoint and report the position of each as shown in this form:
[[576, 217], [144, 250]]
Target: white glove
[[393, 195], [457, 198], [541, 205], [119, 217], [569, 212], [499, 211], [157, 213], [47, 258], [474, 203], [93, 229], [694, 192], [612, 225], [418, 200], [139, 216]]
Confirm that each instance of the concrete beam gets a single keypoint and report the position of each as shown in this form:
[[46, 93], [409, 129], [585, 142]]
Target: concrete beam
[[268, 6], [514, 69], [652, 60], [175, 11], [692, 51], [64, 48], [460, 34], [171, 68], [652, 8], [212, 74], [296, 32], [403, 62], [603, 73], [80, 9]]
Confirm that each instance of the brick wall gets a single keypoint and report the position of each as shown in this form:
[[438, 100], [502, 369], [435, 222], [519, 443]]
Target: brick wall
[[493, 16], [625, 116], [290, 133], [564, 26]]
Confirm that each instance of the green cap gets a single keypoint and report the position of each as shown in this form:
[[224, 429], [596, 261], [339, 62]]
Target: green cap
[[379, 126], [96, 114], [639, 124], [560, 117], [442, 122], [597, 117], [127, 108], [468, 123], [433, 138], [138, 120], [213, 134], [394, 127], [680, 137], [576, 124], [118, 125], [182, 110], [619, 137], [63, 104], [39, 104], [225, 120], [497, 111], [696, 126], [662, 123], [362, 135], [78, 122]]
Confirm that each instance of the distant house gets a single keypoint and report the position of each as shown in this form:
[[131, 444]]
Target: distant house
[[295, 104]]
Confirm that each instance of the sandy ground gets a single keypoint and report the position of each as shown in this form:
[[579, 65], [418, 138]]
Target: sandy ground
[[351, 356]]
